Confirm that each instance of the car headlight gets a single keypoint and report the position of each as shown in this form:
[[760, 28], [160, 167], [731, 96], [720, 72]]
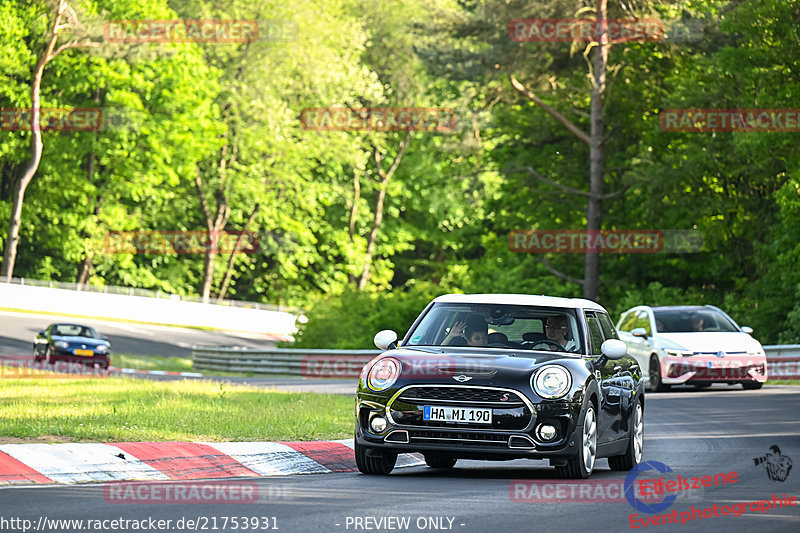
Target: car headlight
[[678, 353], [551, 381], [383, 374], [101, 349], [61, 344]]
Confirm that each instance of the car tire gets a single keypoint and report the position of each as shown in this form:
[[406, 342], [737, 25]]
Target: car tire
[[440, 461], [581, 464], [374, 463], [752, 385], [37, 357], [49, 357], [656, 384], [633, 454]]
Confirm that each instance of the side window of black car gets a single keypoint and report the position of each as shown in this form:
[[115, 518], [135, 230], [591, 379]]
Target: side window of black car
[[595, 334], [608, 328]]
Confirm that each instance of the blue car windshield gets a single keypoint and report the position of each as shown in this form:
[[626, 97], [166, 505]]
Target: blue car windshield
[[73, 330], [498, 326]]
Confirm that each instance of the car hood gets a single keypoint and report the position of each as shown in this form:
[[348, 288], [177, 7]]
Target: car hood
[[430, 361], [709, 341], [80, 340]]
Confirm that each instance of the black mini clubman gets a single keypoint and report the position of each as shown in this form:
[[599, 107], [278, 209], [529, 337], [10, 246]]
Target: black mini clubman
[[498, 377]]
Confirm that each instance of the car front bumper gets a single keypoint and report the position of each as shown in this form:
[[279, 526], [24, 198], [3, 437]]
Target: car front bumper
[[710, 368]]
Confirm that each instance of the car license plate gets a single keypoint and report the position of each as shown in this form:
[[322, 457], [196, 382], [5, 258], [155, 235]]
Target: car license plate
[[84, 352], [473, 415]]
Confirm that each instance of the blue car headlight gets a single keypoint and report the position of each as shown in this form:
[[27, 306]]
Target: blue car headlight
[[63, 345], [551, 381]]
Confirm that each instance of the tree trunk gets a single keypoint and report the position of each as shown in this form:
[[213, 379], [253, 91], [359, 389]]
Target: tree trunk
[[378, 220], [36, 148], [353, 215], [214, 224], [594, 211], [229, 269]]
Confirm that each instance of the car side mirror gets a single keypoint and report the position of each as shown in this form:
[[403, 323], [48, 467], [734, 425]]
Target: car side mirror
[[42, 333], [104, 338], [747, 329], [638, 332], [386, 340], [611, 349]]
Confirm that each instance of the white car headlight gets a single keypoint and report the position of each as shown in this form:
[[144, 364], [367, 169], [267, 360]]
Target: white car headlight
[[678, 353], [61, 344], [101, 349], [551, 381], [383, 374]]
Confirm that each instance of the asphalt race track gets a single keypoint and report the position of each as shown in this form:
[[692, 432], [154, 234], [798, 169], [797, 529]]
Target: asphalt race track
[[17, 331], [695, 433]]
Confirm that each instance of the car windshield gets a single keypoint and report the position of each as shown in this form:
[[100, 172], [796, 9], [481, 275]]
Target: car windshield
[[73, 330], [691, 320], [498, 326]]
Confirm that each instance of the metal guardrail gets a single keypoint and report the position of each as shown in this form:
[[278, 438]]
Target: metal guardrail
[[148, 293], [292, 361], [783, 361]]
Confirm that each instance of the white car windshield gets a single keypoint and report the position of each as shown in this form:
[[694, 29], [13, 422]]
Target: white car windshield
[[498, 326], [691, 320]]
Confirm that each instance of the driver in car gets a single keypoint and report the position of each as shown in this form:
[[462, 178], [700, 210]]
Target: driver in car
[[556, 328], [475, 329]]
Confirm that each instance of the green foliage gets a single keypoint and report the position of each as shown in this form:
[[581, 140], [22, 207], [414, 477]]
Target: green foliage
[[230, 113], [351, 320]]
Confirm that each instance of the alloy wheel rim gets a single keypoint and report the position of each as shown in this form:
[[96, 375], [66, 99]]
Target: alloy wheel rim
[[638, 440], [655, 373], [589, 440]]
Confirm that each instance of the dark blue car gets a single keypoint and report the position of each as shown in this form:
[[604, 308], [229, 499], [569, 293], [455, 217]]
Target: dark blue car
[[72, 343]]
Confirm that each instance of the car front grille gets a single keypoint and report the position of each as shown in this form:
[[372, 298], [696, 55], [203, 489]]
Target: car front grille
[[510, 412], [466, 395]]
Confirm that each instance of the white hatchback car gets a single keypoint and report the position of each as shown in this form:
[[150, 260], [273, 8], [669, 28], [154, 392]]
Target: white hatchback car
[[693, 345]]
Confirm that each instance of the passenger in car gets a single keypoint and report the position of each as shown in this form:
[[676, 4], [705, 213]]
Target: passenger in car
[[475, 329]]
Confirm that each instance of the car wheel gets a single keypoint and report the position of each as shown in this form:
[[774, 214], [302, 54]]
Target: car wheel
[[633, 455], [37, 357], [440, 461], [372, 461], [581, 464], [49, 357], [655, 376], [751, 385]]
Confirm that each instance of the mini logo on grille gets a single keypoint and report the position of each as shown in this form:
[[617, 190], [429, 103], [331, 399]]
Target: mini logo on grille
[[720, 354], [461, 378]]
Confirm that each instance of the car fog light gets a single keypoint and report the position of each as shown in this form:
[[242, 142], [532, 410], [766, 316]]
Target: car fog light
[[377, 424], [546, 432]]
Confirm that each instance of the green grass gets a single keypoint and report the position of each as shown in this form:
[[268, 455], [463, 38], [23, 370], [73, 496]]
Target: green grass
[[126, 409], [152, 362], [782, 382], [176, 364]]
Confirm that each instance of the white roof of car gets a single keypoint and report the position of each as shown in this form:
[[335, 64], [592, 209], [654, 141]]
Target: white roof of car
[[520, 299]]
